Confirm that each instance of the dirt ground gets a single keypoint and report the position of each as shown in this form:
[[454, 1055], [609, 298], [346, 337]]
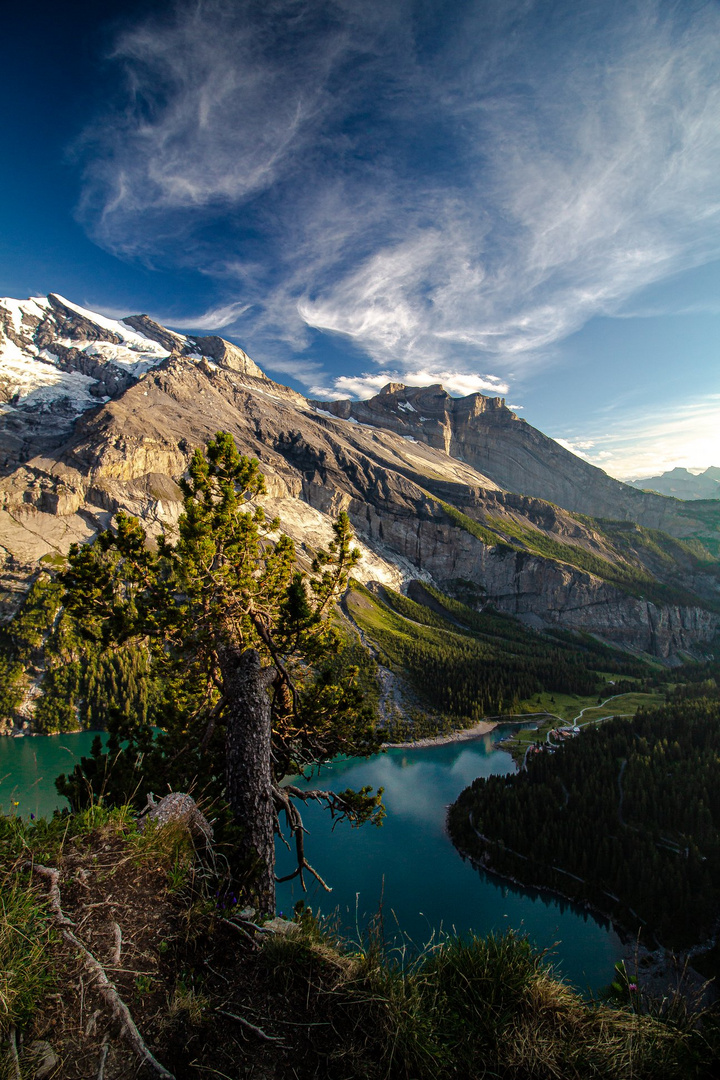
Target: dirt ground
[[202, 988]]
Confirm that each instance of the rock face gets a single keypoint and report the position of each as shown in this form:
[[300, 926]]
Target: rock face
[[499, 444], [437, 488]]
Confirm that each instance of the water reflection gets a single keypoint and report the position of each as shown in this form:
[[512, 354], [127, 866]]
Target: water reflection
[[410, 868], [29, 765]]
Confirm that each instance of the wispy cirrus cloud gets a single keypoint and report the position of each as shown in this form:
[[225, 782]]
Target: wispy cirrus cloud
[[445, 192], [214, 318], [206, 119], [685, 434]]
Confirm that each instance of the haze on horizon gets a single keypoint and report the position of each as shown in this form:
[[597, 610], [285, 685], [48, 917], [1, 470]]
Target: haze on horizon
[[521, 199]]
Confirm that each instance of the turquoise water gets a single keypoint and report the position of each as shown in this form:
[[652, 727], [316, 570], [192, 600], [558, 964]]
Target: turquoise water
[[408, 868], [29, 765]]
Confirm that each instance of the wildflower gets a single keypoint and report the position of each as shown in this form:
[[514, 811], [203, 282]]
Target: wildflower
[[632, 986]]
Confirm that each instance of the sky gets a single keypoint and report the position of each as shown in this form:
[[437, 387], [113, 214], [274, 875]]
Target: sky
[[517, 197]]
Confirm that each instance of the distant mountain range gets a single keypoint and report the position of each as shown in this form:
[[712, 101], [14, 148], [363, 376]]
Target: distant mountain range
[[682, 484], [98, 415]]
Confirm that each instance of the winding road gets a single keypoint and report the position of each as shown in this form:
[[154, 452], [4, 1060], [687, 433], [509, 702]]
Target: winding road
[[576, 721]]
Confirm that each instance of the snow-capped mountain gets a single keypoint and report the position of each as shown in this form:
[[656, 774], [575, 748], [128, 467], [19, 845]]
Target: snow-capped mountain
[[57, 360], [52, 350], [99, 415]]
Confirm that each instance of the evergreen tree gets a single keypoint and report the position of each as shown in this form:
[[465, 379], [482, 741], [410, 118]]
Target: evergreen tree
[[243, 657]]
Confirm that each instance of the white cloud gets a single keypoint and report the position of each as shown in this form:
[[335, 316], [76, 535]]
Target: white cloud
[[207, 121], [457, 384], [214, 319], [686, 434], [440, 209]]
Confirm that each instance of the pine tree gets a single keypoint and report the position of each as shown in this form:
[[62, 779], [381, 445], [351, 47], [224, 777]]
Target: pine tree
[[243, 654]]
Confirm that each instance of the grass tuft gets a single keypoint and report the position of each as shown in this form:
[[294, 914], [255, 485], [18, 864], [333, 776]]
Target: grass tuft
[[25, 933]]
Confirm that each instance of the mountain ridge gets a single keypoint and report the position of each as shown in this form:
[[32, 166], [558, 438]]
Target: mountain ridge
[[429, 481], [682, 484]]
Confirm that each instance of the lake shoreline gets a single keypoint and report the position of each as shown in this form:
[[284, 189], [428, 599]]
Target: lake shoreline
[[483, 727], [661, 971]]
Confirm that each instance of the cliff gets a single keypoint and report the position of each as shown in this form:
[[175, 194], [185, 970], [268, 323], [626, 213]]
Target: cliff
[[435, 487]]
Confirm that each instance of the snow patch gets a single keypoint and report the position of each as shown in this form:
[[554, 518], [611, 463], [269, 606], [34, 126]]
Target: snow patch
[[406, 406], [34, 382], [35, 306], [130, 338], [121, 356], [34, 378]]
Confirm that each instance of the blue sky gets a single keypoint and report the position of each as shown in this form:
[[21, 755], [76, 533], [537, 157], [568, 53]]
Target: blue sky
[[509, 196]]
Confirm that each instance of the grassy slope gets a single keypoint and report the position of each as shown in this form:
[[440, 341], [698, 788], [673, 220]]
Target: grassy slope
[[569, 708], [211, 999], [406, 632]]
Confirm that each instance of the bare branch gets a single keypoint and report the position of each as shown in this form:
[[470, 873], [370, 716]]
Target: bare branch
[[339, 807], [297, 829], [261, 627], [212, 720], [117, 938]]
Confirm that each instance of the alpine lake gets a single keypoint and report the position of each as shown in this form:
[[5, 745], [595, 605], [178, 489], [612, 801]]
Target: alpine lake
[[404, 876]]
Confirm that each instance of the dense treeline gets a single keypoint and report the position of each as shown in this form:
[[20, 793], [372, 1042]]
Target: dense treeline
[[82, 683], [697, 680], [472, 664], [627, 817], [493, 625]]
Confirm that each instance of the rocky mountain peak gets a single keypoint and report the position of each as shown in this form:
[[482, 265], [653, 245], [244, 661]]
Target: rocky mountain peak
[[682, 484], [427, 414], [155, 332], [98, 415], [59, 360], [230, 356], [63, 320]]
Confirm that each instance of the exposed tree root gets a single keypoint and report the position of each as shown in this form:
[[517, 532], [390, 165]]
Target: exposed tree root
[[13, 1054], [251, 1027], [103, 1057], [241, 930], [106, 987]]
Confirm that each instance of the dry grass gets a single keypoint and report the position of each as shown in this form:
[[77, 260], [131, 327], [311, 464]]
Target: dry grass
[[208, 1002]]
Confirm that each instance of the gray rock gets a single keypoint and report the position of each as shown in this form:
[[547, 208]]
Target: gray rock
[[390, 462], [176, 807], [42, 1059]]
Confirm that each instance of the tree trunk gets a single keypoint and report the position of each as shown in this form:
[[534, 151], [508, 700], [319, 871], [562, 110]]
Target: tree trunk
[[247, 766]]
